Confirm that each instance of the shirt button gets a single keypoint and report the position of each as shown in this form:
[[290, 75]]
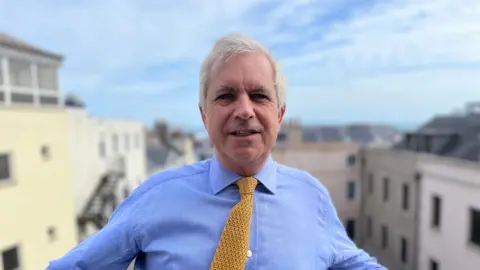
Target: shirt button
[[249, 253]]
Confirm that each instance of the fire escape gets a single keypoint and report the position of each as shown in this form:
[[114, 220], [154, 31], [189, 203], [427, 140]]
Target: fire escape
[[104, 199]]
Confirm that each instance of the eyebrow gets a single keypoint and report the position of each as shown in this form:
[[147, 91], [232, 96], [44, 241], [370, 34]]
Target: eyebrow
[[231, 89], [226, 88]]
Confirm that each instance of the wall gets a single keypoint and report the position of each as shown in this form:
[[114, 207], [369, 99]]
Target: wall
[[83, 148], [90, 166], [458, 185], [133, 151], [400, 168], [41, 193]]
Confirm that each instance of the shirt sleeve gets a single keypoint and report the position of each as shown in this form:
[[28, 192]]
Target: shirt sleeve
[[112, 247], [346, 255]]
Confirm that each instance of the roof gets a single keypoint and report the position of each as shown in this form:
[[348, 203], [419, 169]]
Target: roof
[[14, 43], [455, 136], [359, 133], [156, 156]]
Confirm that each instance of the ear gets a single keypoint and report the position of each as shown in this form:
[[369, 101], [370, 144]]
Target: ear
[[204, 118], [281, 113]]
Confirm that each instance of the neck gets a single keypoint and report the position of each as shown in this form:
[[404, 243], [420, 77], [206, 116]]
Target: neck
[[243, 168]]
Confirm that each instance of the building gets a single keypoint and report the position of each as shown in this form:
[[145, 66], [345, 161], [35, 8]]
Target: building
[[109, 162], [36, 192], [389, 207], [449, 227], [331, 154], [168, 148], [420, 207]]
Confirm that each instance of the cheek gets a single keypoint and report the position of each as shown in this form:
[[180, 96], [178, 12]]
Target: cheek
[[216, 121]]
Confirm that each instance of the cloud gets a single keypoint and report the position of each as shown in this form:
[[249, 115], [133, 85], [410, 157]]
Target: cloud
[[367, 56]]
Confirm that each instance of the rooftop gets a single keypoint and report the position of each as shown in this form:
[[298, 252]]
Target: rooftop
[[14, 43], [363, 134], [451, 135]]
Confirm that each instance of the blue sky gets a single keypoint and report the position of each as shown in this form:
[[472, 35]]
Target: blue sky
[[345, 61]]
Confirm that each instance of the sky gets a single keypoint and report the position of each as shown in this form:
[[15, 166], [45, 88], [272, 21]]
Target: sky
[[346, 61]]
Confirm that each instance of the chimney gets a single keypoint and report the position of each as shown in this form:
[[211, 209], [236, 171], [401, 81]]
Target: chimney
[[161, 130]]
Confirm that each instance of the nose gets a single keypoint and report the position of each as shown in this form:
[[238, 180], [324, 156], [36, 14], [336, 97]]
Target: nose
[[244, 108]]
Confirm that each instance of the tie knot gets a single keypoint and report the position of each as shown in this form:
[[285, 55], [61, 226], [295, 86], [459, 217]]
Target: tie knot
[[246, 185]]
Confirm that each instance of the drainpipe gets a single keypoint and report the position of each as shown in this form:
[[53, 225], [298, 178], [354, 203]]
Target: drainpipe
[[416, 219]]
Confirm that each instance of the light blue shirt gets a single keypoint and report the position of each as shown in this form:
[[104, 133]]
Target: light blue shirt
[[174, 220]]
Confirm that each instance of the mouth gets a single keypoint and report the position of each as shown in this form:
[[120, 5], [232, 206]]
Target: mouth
[[244, 133]]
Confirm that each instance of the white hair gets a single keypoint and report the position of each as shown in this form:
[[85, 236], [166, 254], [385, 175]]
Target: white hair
[[226, 47]]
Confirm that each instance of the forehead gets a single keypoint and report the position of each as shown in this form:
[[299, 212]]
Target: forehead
[[245, 70]]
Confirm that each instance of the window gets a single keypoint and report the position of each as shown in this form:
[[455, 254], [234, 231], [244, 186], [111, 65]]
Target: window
[[10, 259], [433, 265], [45, 100], [351, 190], [115, 143], [404, 250], [350, 228], [1, 73], [405, 196], [47, 77], [5, 173], [102, 148], [20, 73], [351, 160], [475, 226], [369, 227], [386, 184], [436, 211], [370, 183], [21, 98], [127, 142], [384, 237]]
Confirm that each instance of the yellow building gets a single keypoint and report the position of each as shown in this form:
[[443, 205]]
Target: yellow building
[[37, 220]]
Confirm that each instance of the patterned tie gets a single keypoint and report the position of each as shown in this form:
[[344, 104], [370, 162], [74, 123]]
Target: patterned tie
[[231, 253]]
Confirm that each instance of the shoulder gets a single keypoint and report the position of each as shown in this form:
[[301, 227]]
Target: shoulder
[[159, 179], [152, 186], [302, 177]]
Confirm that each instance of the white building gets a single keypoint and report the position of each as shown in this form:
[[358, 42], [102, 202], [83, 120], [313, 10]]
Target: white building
[[449, 214], [108, 163], [420, 206]]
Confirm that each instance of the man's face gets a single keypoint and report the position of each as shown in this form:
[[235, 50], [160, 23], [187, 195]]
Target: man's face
[[241, 113]]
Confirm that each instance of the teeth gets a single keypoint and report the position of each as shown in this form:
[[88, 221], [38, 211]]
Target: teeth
[[243, 132]]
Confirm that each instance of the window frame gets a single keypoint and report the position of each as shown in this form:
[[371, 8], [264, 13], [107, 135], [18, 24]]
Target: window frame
[[353, 223], [384, 233], [405, 197], [404, 250], [352, 192], [19, 255], [11, 173], [386, 189], [435, 222], [475, 241]]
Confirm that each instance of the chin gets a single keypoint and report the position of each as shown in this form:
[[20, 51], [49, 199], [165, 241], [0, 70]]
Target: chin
[[246, 153]]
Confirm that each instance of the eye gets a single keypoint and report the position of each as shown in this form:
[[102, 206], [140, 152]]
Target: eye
[[227, 96], [258, 96]]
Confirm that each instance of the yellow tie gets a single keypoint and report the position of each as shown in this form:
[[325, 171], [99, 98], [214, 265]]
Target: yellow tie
[[231, 253]]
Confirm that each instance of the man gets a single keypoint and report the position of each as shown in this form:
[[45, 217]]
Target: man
[[239, 210]]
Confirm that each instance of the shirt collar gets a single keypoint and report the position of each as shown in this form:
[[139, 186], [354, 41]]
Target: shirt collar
[[220, 177]]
